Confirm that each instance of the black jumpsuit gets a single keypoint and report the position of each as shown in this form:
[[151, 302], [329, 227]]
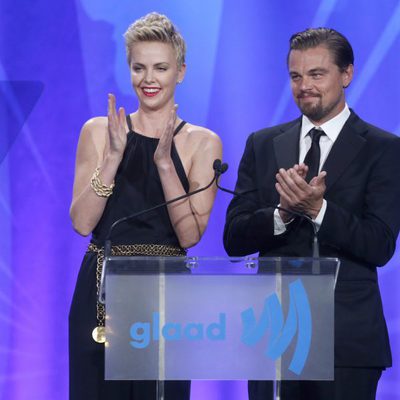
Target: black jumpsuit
[[137, 187]]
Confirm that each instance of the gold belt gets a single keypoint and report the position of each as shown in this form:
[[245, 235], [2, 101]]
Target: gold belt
[[162, 250], [140, 250]]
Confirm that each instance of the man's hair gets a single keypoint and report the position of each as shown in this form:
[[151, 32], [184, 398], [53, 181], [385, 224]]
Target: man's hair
[[155, 27], [334, 41]]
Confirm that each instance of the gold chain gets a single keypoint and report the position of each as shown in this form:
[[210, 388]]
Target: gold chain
[[124, 250]]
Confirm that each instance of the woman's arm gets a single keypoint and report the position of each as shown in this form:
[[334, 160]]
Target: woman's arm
[[101, 144], [189, 217]]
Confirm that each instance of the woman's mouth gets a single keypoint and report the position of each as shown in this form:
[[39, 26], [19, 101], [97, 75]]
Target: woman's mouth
[[150, 91]]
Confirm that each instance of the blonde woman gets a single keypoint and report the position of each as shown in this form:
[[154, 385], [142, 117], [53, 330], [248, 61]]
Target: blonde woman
[[125, 164]]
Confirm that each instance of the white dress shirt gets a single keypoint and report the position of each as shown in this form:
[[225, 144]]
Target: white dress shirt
[[332, 129]]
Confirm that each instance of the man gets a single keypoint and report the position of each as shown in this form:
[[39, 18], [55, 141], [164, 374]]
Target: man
[[344, 174]]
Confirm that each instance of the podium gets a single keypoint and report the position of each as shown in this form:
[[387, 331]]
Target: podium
[[178, 318]]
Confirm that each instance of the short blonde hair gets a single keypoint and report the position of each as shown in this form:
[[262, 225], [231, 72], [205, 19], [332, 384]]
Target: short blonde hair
[[155, 27]]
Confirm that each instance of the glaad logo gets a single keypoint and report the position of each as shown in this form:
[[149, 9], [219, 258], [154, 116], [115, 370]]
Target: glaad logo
[[143, 332], [299, 318]]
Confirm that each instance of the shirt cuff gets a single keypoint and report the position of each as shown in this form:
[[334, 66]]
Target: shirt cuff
[[321, 215], [279, 225]]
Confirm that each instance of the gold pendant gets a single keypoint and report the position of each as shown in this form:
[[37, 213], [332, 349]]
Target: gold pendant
[[99, 334]]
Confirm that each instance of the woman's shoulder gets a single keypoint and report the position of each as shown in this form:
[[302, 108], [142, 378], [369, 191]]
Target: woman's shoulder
[[201, 136], [94, 129], [93, 134], [95, 125]]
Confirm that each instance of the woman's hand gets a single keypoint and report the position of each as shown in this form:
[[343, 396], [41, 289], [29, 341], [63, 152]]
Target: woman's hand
[[162, 155], [116, 138]]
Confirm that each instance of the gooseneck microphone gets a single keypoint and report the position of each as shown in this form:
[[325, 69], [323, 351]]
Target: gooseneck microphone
[[223, 167], [218, 168]]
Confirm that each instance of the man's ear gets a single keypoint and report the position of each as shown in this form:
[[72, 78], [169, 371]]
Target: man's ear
[[347, 75]]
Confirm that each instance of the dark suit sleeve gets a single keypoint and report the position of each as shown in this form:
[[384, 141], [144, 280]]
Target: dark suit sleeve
[[369, 235], [248, 225]]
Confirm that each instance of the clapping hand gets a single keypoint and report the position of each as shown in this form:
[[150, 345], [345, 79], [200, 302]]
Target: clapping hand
[[116, 138], [298, 195], [162, 154]]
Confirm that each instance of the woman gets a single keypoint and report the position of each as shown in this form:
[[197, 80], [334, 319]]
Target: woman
[[125, 164]]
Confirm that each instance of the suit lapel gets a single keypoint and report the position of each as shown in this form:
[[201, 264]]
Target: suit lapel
[[286, 146], [346, 147]]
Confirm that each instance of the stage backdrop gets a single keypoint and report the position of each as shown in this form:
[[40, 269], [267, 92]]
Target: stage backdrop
[[58, 61]]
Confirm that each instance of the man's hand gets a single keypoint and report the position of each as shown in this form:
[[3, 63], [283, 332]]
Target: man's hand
[[296, 194], [302, 170]]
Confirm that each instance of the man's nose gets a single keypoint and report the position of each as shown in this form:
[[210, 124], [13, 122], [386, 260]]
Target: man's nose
[[306, 83]]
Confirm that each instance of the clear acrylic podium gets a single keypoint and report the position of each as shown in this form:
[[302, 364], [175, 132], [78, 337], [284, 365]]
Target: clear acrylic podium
[[178, 318]]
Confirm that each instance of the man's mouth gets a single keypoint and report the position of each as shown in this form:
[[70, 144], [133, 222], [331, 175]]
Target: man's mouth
[[307, 95]]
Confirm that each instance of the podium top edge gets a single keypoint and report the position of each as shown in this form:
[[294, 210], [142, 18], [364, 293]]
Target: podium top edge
[[231, 259], [221, 265]]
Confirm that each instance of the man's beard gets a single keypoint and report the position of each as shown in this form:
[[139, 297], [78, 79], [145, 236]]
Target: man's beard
[[317, 112]]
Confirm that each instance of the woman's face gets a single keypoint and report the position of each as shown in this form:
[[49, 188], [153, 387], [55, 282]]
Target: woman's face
[[154, 74]]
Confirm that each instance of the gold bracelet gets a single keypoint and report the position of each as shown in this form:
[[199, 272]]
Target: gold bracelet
[[98, 186]]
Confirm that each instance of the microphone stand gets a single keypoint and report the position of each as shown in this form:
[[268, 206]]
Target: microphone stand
[[315, 249], [107, 247], [315, 246], [107, 244]]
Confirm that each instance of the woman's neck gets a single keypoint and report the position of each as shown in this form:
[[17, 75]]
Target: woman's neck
[[151, 122]]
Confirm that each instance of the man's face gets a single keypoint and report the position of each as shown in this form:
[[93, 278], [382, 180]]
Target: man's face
[[318, 83]]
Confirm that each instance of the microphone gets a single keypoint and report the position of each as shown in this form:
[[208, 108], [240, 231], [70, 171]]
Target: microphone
[[218, 168], [218, 165]]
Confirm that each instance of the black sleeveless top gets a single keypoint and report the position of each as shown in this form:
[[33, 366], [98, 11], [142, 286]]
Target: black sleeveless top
[[138, 187]]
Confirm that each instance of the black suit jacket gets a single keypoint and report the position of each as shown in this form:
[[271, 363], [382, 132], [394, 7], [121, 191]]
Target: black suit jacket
[[360, 225]]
